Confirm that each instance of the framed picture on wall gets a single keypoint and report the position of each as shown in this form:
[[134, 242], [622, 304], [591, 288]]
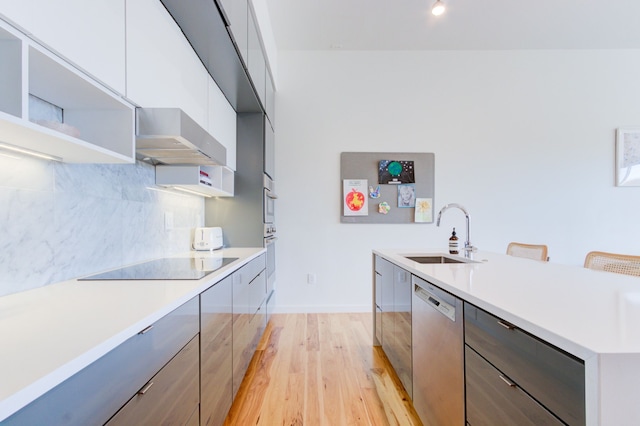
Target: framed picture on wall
[[628, 157]]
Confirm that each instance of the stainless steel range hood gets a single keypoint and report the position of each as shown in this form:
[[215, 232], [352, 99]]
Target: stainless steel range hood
[[170, 136]]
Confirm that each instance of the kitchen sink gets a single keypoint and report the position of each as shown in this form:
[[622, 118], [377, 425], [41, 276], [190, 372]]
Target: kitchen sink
[[436, 259]]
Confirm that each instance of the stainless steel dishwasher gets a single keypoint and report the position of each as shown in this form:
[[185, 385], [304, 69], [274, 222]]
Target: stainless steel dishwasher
[[438, 355]]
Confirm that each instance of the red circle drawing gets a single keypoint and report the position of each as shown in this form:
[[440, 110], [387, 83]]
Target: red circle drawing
[[355, 200]]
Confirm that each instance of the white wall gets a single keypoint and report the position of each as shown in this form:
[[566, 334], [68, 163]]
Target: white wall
[[524, 139]]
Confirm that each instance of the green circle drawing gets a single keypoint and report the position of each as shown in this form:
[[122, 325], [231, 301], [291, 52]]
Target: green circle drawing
[[394, 168]]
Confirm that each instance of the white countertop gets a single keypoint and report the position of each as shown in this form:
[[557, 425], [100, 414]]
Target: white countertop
[[50, 333], [593, 315]]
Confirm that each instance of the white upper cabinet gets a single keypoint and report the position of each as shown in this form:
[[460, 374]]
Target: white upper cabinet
[[163, 71], [222, 122], [89, 34], [236, 12], [51, 108]]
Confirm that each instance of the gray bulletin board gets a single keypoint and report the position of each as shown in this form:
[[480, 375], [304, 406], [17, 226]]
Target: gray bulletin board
[[365, 165]]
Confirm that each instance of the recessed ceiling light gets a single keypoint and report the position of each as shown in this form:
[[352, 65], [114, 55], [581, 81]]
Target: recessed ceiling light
[[438, 8]]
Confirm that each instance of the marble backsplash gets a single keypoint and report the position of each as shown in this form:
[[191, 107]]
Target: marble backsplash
[[60, 221]]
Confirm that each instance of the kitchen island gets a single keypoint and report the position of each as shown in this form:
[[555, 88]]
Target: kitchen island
[[591, 315], [51, 333]]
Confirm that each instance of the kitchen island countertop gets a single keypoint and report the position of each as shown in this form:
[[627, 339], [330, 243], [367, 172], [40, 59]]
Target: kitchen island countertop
[[593, 315], [50, 333]]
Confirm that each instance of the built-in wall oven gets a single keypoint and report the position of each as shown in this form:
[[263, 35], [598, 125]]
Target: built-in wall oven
[[270, 238]]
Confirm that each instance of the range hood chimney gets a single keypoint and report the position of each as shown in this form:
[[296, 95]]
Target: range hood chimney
[[170, 136]]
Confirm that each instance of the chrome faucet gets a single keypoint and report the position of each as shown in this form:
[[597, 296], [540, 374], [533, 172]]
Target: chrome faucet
[[467, 244]]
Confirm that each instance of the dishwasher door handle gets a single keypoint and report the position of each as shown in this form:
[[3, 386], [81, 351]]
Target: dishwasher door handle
[[423, 294], [434, 301]]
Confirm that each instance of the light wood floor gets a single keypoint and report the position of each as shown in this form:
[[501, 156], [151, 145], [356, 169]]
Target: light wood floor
[[320, 369]]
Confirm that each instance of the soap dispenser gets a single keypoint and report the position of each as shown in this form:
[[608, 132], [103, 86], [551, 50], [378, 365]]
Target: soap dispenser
[[453, 242]]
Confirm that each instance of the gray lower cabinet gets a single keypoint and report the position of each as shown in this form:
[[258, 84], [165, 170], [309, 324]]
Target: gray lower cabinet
[[393, 292], [511, 374], [216, 356], [171, 397], [194, 420], [249, 315], [384, 301], [185, 369], [377, 311], [258, 304], [270, 304], [93, 395], [402, 347]]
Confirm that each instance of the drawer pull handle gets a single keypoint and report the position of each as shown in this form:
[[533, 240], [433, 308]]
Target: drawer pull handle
[[145, 388], [146, 329], [507, 381], [506, 325]]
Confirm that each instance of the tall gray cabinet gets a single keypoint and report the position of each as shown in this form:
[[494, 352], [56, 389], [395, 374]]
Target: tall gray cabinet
[[240, 216], [232, 321], [216, 355], [393, 314]]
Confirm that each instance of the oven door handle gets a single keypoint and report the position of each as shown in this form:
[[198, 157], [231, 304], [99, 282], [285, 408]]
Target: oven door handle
[[270, 240]]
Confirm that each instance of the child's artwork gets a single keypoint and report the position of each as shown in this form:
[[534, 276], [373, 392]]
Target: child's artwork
[[424, 210], [395, 172], [355, 198], [374, 193], [407, 195]]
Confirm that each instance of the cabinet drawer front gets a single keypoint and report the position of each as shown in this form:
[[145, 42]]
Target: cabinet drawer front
[[251, 270], [95, 393], [257, 292], [492, 400], [170, 397], [244, 292], [383, 266], [553, 377]]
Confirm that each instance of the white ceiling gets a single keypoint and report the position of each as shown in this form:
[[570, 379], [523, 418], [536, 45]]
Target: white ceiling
[[467, 24]]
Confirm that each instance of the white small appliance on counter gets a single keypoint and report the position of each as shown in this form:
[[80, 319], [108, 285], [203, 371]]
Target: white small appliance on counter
[[205, 239]]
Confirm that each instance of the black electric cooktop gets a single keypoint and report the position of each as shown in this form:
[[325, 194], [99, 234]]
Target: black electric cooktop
[[171, 268]]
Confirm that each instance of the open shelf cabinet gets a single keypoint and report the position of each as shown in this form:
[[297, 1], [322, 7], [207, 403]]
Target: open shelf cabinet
[[209, 181], [94, 124]]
